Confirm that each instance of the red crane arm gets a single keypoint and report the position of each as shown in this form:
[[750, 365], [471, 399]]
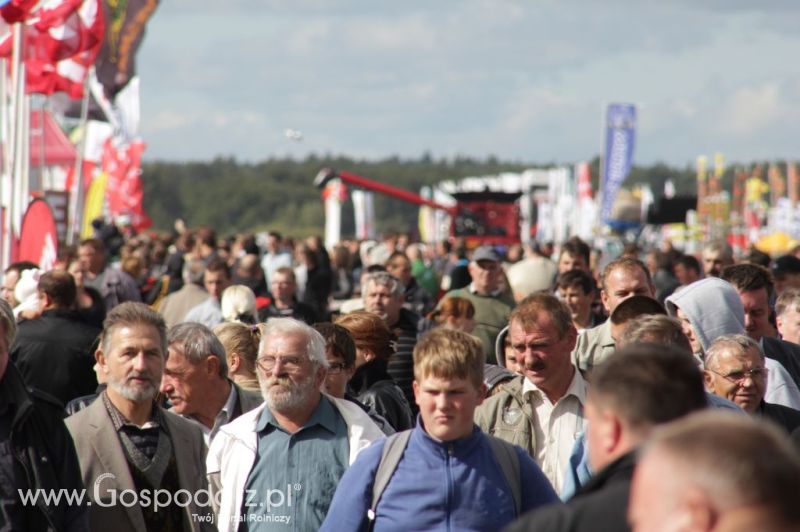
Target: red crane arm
[[326, 174]]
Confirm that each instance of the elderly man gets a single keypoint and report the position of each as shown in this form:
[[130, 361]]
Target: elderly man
[[196, 380], [492, 305], [713, 471], [176, 305], [383, 295], [711, 308], [735, 370], [754, 285], [622, 278], [542, 410], [216, 278], [281, 462], [114, 285], [55, 352], [625, 403], [37, 452], [128, 445]]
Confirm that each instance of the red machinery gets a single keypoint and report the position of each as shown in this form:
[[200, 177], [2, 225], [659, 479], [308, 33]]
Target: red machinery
[[480, 217]]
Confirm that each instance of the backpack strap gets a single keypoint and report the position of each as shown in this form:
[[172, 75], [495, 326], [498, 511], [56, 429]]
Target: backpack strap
[[507, 459], [393, 449]]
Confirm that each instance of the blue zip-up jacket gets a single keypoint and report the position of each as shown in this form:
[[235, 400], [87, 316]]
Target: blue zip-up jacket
[[454, 485]]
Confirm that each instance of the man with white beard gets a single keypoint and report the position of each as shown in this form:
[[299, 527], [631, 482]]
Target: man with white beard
[[277, 467], [131, 450]]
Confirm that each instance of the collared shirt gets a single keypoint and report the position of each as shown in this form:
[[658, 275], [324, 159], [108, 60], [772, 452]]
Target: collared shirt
[[209, 313], [145, 438], [223, 417], [295, 475], [494, 293], [557, 426]]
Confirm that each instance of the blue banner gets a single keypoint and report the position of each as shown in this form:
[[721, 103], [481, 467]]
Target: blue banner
[[620, 136]]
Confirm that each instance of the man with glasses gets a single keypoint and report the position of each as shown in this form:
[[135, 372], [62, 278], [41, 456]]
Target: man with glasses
[[492, 305], [278, 465], [735, 370]]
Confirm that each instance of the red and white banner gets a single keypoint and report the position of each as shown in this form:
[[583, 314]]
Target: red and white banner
[[124, 194], [60, 45], [38, 238]]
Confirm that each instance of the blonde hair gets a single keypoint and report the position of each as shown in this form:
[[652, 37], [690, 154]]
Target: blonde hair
[[449, 354], [240, 339], [238, 303]]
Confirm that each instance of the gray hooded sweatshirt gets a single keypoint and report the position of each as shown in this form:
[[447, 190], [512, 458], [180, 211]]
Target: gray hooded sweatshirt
[[714, 309]]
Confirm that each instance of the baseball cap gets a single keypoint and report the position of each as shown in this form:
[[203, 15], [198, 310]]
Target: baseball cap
[[486, 253], [785, 265]]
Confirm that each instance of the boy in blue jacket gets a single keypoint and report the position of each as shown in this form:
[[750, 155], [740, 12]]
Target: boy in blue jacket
[[445, 474]]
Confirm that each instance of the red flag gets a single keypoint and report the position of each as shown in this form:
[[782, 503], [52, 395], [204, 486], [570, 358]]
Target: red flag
[[17, 10], [61, 46], [124, 188]]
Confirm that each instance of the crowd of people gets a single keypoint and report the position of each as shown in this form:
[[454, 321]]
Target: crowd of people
[[188, 382]]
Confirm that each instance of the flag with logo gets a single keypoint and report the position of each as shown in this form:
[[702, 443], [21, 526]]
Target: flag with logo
[[619, 144]]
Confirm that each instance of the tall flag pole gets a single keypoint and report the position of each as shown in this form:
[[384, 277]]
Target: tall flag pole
[[620, 133]]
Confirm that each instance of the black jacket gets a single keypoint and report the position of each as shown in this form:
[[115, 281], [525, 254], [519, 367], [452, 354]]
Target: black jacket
[[787, 353], [373, 387], [401, 364], [601, 504], [55, 353], [45, 450], [786, 417], [299, 311]]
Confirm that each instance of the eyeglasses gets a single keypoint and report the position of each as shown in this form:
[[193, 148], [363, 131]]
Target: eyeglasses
[[738, 377], [291, 364], [336, 368]]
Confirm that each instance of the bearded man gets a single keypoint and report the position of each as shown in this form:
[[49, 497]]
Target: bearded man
[[281, 462], [131, 450]]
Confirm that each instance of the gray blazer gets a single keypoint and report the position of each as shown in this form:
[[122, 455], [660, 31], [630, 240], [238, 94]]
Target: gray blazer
[[100, 453]]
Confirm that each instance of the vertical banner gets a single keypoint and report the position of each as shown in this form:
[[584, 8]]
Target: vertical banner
[[792, 178], [584, 226], [620, 137], [364, 212], [334, 195], [702, 185]]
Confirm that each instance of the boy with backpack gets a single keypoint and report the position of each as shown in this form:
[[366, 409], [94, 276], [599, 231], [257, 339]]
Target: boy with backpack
[[445, 473]]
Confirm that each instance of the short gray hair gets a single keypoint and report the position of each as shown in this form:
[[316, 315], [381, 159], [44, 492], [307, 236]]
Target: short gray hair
[[655, 328], [788, 300], [198, 343], [193, 271], [133, 313], [383, 279], [315, 343], [739, 343]]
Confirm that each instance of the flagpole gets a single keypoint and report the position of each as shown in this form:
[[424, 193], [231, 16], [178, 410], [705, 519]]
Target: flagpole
[[76, 199], [15, 125]]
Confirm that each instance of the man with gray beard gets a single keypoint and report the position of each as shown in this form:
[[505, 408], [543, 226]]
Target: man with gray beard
[[277, 467], [138, 460]]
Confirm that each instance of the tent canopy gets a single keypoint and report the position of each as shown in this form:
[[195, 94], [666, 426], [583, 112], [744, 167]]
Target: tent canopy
[[58, 150]]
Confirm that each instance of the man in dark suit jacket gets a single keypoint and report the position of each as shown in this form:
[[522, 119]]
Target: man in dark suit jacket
[[54, 352], [128, 445], [196, 380], [625, 402]]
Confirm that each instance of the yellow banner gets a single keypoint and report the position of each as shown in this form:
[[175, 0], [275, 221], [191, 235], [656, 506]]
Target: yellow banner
[[95, 200]]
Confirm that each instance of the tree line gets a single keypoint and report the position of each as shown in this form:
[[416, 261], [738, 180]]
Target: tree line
[[279, 194]]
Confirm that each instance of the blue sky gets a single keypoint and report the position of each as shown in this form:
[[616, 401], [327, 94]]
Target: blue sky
[[520, 80]]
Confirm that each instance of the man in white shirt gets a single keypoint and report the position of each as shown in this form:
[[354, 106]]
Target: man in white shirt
[[196, 380], [542, 410]]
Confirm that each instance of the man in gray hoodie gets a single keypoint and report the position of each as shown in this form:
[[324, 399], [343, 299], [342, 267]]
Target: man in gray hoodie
[[711, 308]]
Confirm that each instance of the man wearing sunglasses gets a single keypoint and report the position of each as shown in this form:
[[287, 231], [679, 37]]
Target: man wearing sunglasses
[[735, 370]]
